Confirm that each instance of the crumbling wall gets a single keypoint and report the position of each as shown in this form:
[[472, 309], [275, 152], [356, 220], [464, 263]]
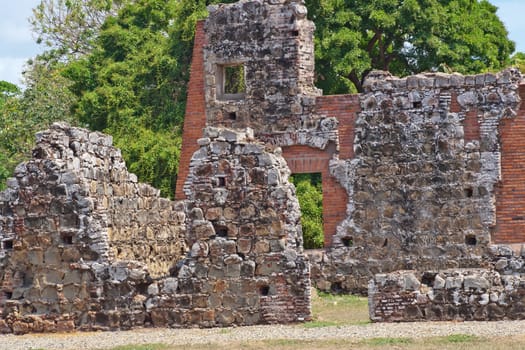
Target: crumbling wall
[[420, 158], [67, 217], [273, 42], [246, 263], [447, 295], [423, 178], [85, 246]]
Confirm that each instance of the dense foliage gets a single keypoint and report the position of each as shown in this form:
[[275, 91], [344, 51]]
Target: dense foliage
[[405, 37], [121, 66], [310, 195]]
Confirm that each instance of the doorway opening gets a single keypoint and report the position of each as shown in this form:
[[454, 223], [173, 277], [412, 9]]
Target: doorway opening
[[309, 191]]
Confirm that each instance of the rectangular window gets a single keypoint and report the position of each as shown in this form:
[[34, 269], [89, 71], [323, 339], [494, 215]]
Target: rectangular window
[[231, 83]]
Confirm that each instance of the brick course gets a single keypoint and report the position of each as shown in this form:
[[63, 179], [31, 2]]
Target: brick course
[[195, 116], [510, 194]]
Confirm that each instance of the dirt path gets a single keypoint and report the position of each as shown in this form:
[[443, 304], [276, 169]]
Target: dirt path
[[106, 340]]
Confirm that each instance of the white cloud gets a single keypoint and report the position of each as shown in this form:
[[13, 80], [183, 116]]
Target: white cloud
[[11, 69]]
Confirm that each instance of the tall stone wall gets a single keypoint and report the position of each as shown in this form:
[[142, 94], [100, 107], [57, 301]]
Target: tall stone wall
[[244, 232], [421, 193], [273, 42]]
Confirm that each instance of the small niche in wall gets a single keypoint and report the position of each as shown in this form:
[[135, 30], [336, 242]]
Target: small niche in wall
[[232, 116], [221, 181], [67, 238], [220, 231], [347, 241], [230, 82], [7, 244], [264, 290], [8, 295], [471, 240], [336, 287], [428, 278]]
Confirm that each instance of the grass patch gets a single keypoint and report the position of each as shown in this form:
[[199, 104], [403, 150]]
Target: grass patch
[[333, 310], [387, 341], [460, 338]]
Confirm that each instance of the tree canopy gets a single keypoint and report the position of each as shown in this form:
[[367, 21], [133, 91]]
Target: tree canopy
[[404, 37], [68, 27]]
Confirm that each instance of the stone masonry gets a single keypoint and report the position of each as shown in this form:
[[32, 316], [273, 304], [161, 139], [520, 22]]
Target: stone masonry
[[85, 246], [244, 232], [422, 183], [452, 294], [422, 173], [419, 172], [68, 217]]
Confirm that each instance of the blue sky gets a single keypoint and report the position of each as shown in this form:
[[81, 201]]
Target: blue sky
[[17, 44]]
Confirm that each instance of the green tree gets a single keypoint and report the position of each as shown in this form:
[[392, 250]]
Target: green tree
[[132, 84], [518, 60], [405, 37], [8, 101], [45, 100], [7, 90], [310, 195]]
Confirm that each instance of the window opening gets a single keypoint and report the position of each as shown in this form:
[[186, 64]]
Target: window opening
[[309, 191], [231, 82]]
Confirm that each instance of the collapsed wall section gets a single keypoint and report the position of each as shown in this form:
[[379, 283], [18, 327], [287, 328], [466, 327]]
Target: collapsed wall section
[[447, 295], [68, 219]]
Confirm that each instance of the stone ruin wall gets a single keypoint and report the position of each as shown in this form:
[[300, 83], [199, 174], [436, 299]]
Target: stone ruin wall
[[273, 42], [417, 172], [469, 294], [244, 232], [424, 177], [414, 174], [85, 246], [70, 219]]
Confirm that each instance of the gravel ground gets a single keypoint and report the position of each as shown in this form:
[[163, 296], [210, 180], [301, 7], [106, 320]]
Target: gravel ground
[[105, 340]]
